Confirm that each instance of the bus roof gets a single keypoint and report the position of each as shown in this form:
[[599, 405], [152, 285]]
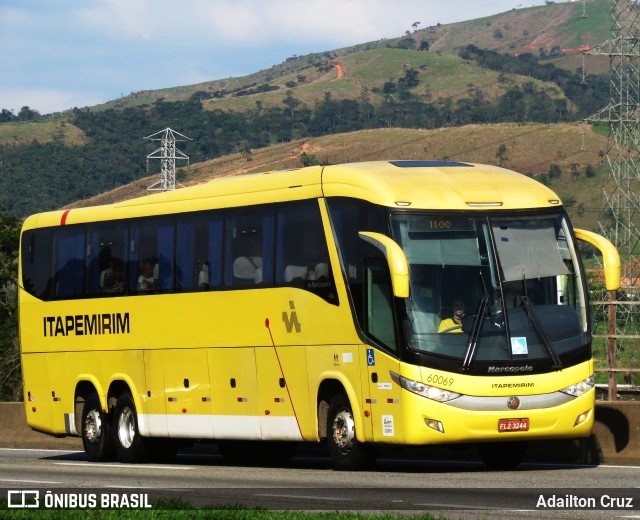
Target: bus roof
[[438, 185]]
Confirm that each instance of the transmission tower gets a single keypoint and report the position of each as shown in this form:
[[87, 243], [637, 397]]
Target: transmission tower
[[619, 218], [168, 154], [620, 207]]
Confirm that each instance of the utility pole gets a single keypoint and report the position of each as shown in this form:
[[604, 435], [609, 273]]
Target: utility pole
[[168, 154]]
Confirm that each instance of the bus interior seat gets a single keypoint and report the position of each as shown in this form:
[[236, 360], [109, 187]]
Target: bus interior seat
[[322, 271], [291, 272], [247, 270]]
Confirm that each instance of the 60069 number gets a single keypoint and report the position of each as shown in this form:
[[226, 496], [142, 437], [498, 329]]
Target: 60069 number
[[439, 380]]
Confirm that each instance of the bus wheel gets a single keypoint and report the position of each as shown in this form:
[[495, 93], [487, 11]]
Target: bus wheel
[[346, 452], [130, 446], [96, 431], [502, 455]]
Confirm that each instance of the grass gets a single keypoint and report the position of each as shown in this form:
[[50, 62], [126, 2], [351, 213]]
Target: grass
[[25, 132], [180, 509]]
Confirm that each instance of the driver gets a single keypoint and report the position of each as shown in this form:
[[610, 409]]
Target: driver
[[454, 323]]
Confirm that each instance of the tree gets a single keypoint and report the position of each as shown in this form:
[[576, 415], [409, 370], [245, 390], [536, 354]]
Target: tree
[[575, 172], [410, 79], [291, 102], [6, 115], [10, 385], [26, 114], [501, 154], [555, 171], [407, 43]]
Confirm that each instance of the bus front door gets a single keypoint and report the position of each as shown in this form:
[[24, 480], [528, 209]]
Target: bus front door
[[384, 395]]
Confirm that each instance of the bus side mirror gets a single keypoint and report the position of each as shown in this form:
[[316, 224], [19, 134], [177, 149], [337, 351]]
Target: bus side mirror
[[396, 259], [610, 257]]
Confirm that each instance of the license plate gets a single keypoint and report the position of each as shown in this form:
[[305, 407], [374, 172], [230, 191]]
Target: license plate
[[513, 425]]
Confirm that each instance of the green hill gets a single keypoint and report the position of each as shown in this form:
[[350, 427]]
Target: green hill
[[559, 33], [438, 79], [530, 149]]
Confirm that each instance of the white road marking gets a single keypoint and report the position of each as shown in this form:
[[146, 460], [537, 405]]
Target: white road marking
[[31, 450], [273, 495], [19, 481], [120, 465]]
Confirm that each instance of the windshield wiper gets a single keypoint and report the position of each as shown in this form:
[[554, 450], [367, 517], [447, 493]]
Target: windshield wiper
[[538, 327], [474, 335]]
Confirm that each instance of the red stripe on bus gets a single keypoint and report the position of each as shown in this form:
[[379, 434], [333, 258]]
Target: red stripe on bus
[[63, 220]]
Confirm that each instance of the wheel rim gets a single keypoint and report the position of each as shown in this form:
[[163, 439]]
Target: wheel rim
[[126, 428], [344, 431], [93, 426]]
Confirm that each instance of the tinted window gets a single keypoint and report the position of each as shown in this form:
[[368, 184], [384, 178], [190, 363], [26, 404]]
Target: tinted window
[[106, 254], [151, 261], [249, 258], [68, 262], [199, 252], [302, 258], [36, 263]]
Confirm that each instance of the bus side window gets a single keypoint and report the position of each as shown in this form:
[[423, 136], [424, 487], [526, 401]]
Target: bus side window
[[68, 258], [199, 253], [249, 256], [302, 258], [151, 255], [379, 298], [37, 257], [106, 259]]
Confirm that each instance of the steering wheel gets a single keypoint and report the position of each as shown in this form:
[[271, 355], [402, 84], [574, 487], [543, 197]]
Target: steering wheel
[[449, 329]]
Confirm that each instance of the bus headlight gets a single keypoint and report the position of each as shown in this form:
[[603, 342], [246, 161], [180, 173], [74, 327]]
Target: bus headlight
[[430, 392], [580, 388]]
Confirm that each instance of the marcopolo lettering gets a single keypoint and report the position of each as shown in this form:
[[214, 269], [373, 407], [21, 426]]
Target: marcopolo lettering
[[86, 324], [515, 369]]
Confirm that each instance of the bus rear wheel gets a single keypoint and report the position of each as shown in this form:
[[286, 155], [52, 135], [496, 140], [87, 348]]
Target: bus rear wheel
[[97, 439], [345, 450], [130, 446]]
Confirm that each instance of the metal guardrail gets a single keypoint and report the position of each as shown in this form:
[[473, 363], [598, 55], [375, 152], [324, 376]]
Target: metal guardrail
[[612, 336]]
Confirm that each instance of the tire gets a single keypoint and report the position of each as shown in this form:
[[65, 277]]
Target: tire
[[97, 438], [345, 451], [502, 455], [130, 446]]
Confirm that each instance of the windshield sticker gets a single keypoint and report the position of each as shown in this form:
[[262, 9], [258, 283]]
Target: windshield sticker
[[519, 346]]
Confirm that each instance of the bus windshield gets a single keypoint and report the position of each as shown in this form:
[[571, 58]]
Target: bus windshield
[[492, 288]]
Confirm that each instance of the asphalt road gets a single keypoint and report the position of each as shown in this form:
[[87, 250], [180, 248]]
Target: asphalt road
[[453, 488]]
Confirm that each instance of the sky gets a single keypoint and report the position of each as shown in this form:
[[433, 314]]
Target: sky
[[61, 54]]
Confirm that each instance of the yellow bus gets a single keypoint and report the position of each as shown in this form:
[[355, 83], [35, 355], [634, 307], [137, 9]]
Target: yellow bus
[[264, 310]]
